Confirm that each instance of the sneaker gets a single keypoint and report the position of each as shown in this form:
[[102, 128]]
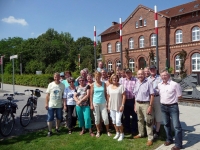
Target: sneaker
[[49, 134], [155, 136], [116, 136], [57, 131], [121, 137]]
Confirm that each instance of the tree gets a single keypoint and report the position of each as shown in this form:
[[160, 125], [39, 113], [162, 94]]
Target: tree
[[152, 58]]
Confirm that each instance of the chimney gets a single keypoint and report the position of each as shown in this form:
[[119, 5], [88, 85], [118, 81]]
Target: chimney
[[114, 23]]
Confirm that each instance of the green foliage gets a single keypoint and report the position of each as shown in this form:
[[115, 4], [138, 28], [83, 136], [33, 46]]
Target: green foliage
[[182, 54], [170, 70], [33, 66]]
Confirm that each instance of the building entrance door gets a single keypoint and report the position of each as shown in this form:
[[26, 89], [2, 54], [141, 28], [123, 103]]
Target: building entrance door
[[142, 63]]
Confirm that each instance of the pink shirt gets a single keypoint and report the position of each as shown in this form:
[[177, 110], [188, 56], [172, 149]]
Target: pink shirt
[[169, 92]]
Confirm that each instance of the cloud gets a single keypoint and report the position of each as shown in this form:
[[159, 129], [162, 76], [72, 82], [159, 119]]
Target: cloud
[[12, 19]]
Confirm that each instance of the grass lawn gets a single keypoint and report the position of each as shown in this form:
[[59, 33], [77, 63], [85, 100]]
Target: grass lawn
[[39, 141]]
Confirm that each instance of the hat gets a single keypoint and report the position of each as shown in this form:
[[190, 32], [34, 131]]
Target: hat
[[62, 74], [152, 67], [128, 70]]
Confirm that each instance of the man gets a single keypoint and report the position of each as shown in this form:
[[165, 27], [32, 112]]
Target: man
[[122, 74], [103, 75], [54, 102], [62, 76], [170, 91], [129, 85], [147, 72], [100, 66], [144, 96], [155, 79], [82, 74]]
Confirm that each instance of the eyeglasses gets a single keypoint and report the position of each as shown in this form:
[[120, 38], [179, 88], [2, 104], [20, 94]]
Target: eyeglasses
[[81, 80], [71, 82]]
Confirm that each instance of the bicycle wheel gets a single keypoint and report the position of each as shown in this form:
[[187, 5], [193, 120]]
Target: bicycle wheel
[[26, 115], [6, 123]]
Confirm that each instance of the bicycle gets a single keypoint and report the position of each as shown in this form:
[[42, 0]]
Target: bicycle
[[30, 107], [8, 109]]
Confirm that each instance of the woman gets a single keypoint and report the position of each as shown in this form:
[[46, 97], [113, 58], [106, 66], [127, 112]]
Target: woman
[[109, 74], [116, 101], [82, 105], [70, 104], [67, 75], [98, 103]]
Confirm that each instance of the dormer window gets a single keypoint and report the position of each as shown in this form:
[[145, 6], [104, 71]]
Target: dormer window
[[181, 10], [140, 22], [196, 6]]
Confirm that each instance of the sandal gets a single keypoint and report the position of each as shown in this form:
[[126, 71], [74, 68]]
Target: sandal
[[70, 132], [91, 134], [109, 134], [98, 134], [82, 132]]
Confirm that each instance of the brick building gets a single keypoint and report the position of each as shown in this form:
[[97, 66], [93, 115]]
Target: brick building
[[178, 28]]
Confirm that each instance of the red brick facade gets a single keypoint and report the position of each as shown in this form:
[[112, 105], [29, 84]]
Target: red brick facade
[[168, 48]]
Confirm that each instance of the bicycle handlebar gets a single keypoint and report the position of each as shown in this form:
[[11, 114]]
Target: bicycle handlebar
[[33, 90], [12, 95]]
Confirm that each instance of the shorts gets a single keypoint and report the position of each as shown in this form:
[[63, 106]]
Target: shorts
[[51, 111], [116, 117]]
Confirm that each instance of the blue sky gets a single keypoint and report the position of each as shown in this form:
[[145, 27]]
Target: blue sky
[[30, 18]]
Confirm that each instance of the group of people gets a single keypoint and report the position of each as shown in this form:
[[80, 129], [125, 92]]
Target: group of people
[[148, 98]]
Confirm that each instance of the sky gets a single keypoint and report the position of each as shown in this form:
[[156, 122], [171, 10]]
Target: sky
[[31, 18]]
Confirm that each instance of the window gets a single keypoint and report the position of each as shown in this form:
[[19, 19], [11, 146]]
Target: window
[[153, 40], [109, 48], [132, 64], [141, 40], [179, 36], [196, 62], [109, 66], [140, 23], [177, 63], [118, 63], [118, 47], [145, 22], [136, 24], [131, 43], [195, 34]]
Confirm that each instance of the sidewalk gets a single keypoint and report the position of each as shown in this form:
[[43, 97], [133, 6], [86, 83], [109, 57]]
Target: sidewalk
[[190, 122]]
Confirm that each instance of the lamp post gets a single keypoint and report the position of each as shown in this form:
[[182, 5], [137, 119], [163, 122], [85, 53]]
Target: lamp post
[[13, 57], [2, 71]]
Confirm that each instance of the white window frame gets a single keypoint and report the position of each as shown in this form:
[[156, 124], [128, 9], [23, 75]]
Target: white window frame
[[179, 36], [131, 43], [132, 64], [109, 48], [118, 47], [177, 63], [195, 62], [118, 63], [109, 66], [196, 33], [141, 41], [153, 40]]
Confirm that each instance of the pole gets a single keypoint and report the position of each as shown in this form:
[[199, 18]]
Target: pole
[[13, 76], [2, 72], [21, 63], [95, 59], [79, 60], [156, 31], [121, 55]]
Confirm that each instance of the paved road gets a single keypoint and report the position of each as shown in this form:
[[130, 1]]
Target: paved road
[[39, 119]]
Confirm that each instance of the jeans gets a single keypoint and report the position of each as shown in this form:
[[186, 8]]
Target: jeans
[[50, 114], [171, 113], [130, 126], [71, 120]]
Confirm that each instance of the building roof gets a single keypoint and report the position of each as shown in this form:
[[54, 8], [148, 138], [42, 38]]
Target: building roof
[[113, 28], [182, 9]]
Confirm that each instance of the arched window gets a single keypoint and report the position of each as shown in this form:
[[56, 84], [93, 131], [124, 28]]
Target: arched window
[[118, 47], [109, 66], [136, 24], [132, 64], [109, 48], [153, 40], [141, 40], [196, 62], [118, 63], [177, 63], [195, 34], [131, 43], [179, 36]]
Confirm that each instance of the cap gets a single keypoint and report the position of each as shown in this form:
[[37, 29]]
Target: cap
[[152, 67], [128, 70], [62, 74]]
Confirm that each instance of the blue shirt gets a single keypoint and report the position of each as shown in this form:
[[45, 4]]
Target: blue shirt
[[99, 94], [155, 82]]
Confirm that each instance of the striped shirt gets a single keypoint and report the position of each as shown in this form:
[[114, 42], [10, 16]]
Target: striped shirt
[[143, 90], [129, 86]]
